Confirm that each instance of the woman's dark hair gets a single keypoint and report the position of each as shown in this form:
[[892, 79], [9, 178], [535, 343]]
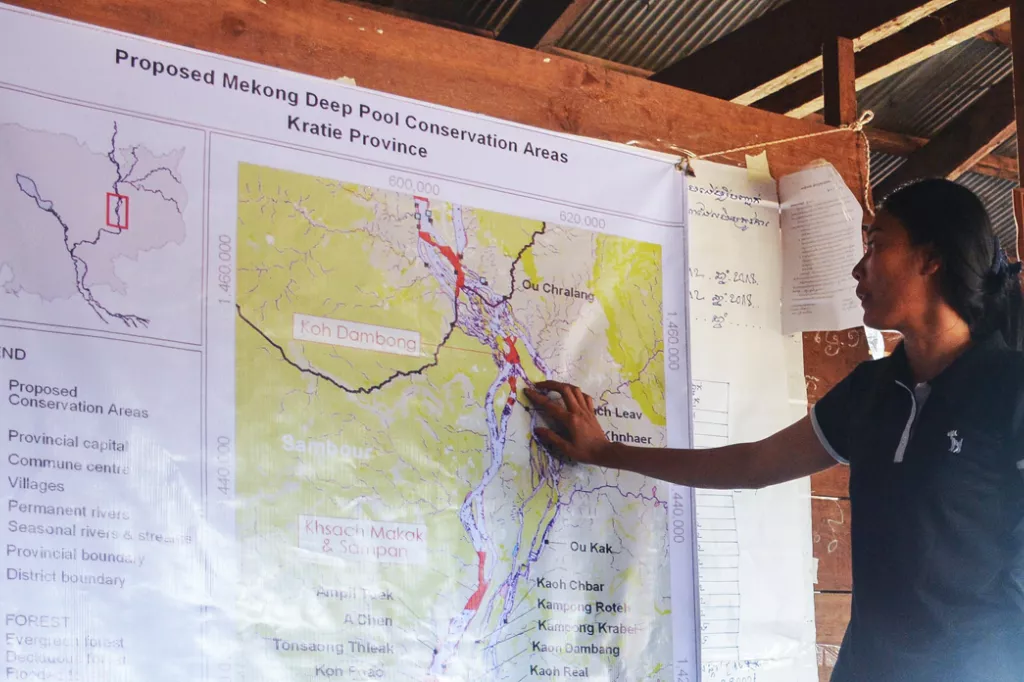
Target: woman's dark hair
[[976, 278]]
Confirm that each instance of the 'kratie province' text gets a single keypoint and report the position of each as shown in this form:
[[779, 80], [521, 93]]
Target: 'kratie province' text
[[322, 117]]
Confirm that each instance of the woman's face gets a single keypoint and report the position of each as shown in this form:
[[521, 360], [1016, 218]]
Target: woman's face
[[895, 279]]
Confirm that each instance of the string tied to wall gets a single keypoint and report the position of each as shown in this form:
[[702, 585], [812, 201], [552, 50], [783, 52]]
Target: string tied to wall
[[857, 128]]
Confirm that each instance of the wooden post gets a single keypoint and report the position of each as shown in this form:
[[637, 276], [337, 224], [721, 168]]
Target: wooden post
[[962, 142], [1017, 46], [1018, 214], [950, 26], [738, 66], [839, 81]]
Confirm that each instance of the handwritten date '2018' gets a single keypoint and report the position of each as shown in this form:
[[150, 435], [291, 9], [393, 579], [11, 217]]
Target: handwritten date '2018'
[[739, 300], [733, 277]]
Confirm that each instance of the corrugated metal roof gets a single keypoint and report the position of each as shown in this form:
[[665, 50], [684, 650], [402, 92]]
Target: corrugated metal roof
[[997, 194], [884, 165], [651, 34], [487, 15], [491, 15], [924, 98], [1008, 148]]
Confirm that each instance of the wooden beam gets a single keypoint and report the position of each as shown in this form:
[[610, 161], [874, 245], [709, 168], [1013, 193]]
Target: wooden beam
[[931, 35], [444, 15], [831, 616], [1000, 35], [834, 482], [828, 655], [1017, 47], [994, 165], [484, 76], [1018, 215], [839, 81], [1017, 38], [998, 166], [830, 536], [539, 23], [962, 143], [828, 358], [897, 144], [784, 45], [597, 61]]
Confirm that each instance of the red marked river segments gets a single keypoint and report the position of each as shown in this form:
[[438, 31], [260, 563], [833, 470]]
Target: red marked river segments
[[488, 317], [504, 564]]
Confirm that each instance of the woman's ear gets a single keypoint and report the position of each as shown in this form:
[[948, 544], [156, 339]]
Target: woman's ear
[[931, 262]]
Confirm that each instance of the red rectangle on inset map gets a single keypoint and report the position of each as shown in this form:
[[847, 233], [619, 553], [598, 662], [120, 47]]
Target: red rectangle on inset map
[[114, 220]]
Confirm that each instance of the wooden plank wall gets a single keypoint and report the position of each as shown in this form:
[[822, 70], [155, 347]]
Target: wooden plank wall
[[393, 54], [828, 357], [389, 53]]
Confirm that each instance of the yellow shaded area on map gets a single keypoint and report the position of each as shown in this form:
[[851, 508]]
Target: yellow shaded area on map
[[506, 232], [332, 250], [627, 283], [387, 439], [419, 445]]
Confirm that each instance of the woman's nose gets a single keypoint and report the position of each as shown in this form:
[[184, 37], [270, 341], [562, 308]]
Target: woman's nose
[[858, 270]]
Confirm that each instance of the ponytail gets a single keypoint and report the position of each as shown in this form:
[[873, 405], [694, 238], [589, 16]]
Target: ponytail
[[1004, 300]]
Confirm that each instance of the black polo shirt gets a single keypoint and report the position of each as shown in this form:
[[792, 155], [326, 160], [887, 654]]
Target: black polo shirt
[[937, 498]]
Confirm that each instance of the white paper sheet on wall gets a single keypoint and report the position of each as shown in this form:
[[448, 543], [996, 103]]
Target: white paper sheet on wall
[[754, 547], [821, 243]]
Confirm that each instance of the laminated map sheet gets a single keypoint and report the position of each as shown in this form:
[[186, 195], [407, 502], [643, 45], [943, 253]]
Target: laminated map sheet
[[263, 340]]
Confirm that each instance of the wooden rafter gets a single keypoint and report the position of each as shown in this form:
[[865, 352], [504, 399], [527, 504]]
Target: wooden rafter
[[931, 35], [542, 23], [1000, 35], [443, 17], [597, 61], [896, 144], [961, 144], [784, 45], [839, 82], [431, 64], [1017, 39]]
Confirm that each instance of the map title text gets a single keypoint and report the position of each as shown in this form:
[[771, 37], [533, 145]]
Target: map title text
[[352, 114]]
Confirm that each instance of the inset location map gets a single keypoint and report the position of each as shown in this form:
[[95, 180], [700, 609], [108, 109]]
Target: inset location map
[[388, 482], [100, 218]]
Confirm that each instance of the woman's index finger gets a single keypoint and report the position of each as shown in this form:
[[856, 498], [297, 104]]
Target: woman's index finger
[[563, 389], [546, 404]]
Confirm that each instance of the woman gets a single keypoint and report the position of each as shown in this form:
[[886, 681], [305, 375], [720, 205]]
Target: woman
[[933, 435]]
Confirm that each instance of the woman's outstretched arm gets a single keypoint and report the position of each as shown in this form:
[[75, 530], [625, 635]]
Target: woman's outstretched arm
[[791, 453]]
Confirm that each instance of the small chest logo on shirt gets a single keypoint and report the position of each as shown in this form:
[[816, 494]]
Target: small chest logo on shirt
[[955, 444]]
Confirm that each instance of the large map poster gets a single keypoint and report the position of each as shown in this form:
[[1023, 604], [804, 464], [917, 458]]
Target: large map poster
[[264, 381]]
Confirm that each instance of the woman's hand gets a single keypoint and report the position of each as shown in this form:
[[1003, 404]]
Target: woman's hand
[[581, 437]]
